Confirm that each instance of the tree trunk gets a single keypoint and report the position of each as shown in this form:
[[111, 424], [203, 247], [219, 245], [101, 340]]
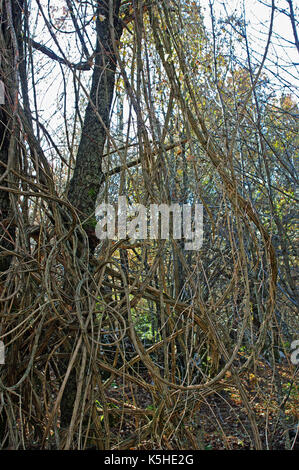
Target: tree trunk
[[88, 175], [10, 27]]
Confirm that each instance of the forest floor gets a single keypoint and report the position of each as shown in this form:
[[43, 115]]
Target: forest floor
[[218, 422], [221, 421]]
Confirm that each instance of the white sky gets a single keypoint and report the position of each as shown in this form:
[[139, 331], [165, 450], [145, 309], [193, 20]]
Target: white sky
[[258, 18], [258, 14]]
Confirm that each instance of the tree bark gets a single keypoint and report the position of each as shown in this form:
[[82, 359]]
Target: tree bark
[[10, 28], [88, 175]]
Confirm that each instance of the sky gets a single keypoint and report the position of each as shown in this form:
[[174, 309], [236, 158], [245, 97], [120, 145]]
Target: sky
[[258, 17], [258, 13]]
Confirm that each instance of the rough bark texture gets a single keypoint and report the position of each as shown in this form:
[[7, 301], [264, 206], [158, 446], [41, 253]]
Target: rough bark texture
[[88, 175], [10, 15], [7, 131]]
